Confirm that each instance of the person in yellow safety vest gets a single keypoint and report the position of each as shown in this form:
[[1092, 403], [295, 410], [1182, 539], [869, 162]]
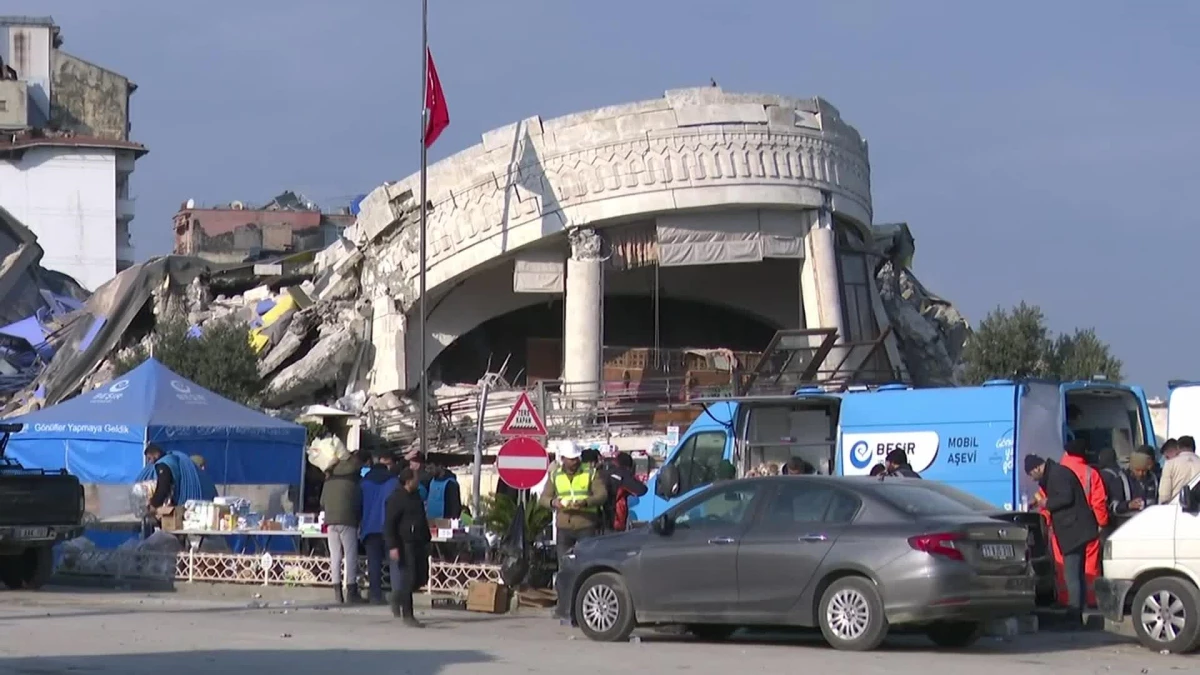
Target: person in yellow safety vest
[[576, 494]]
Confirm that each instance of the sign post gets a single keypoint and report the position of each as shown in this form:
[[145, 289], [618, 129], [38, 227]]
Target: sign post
[[522, 461]]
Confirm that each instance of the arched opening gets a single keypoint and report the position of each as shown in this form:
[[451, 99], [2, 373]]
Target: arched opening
[[531, 338]]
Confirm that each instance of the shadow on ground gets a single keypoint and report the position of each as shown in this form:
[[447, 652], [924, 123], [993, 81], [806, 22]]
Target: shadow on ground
[[292, 661], [1036, 643]]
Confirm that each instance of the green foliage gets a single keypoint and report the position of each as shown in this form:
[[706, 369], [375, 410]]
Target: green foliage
[[220, 359], [500, 510], [315, 430], [1017, 344], [1082, 355]]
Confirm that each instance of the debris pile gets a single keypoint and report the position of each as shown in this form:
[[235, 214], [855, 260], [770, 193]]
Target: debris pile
[[931, 332]]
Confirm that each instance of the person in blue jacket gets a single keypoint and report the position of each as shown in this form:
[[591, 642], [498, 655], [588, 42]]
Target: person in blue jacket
[[377, 485], [444, 499]]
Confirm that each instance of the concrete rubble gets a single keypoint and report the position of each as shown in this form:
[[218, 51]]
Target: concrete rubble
[[310, 315]]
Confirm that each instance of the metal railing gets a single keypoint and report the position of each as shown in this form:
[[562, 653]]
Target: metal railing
[[657, 388]]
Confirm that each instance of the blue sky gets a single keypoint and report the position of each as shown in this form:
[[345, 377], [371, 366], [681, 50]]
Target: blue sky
[[1041, 151]]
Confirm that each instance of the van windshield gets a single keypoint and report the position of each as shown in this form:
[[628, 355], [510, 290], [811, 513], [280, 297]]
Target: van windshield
[[932, 500]]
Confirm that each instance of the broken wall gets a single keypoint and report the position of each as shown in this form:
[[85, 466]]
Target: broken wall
[[88, 99]]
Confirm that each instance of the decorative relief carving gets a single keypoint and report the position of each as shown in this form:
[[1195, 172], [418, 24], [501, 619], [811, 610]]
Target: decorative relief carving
[[586, 244], [679, 160]]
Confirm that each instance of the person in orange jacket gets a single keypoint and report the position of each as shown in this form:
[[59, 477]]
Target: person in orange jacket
[[1074, 458]]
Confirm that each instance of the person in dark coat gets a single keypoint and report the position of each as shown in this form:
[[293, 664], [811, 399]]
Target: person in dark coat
[[622, 484], [377, 486], [897, 465], [407, 532], [1143, 476], [1072, 522], [165, 490], [1118, 487]]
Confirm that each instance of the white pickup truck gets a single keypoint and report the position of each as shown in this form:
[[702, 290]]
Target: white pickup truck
[[1152, 574]]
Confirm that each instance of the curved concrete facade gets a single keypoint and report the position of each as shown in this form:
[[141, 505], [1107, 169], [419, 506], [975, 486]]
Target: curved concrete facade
[[529, 182]]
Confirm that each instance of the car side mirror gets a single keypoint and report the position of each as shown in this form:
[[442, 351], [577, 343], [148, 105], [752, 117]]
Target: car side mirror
[[667, 486], [663, 525]]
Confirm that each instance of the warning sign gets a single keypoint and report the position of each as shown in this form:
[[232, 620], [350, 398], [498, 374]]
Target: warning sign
[[523, 420]]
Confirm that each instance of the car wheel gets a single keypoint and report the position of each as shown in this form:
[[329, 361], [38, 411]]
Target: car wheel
[[711, 632], [958, 635], [1165, 615], [604, 609], [37, 565], [851, 615], [10, 571]]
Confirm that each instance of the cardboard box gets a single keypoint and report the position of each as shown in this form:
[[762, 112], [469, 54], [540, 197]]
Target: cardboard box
[[172, 521], [488, 597]]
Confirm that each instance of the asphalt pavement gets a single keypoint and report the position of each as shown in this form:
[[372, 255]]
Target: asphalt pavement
[[72, 630]]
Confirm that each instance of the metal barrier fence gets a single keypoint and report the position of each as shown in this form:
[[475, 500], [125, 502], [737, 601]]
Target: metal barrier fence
[[445, 578]]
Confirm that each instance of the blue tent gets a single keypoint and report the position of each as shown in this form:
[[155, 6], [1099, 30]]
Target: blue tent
[[100, 436]]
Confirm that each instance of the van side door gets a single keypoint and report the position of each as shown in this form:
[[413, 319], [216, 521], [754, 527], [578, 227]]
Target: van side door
[[1187, 537]]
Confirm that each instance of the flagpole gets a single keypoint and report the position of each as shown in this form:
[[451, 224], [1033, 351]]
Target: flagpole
[[422, 419]]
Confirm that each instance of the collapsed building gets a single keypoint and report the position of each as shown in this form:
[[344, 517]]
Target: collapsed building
[[620, 261]]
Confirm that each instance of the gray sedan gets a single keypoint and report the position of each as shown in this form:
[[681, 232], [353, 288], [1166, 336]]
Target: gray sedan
[[852, 556]]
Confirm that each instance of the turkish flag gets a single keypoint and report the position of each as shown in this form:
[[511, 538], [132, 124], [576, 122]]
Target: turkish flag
[[435, 103]]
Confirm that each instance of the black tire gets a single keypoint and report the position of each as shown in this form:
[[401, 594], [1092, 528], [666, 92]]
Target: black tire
[[10, 571], [851, 615], [956, 635], [711, 632], [1176, 599], [604, 609], [38, 567]]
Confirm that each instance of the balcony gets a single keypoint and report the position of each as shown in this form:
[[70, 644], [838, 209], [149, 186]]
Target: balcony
[[126, 256], [126, 208]]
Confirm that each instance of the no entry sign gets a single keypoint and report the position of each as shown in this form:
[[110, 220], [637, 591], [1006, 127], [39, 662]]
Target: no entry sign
[[522, 463]]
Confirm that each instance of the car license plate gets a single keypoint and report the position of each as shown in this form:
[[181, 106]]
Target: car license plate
[[32, 532], [998, 551]]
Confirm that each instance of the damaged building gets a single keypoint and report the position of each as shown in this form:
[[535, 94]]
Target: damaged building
[[235, 232], [66, 156], [619, 261]]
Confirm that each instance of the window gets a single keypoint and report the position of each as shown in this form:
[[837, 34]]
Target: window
[[700, 459], [922, 501], [806, 502], [720, 507]]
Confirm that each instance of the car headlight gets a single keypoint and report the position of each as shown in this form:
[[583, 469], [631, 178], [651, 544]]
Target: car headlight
[[1107, 554]]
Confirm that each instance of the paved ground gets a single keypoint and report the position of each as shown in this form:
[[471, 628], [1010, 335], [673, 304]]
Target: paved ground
[[72, 630]]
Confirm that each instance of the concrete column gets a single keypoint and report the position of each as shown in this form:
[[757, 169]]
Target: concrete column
[[583, 306], [820, 284], [388, 328]]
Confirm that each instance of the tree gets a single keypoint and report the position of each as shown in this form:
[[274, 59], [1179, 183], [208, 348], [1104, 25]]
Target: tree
[[1017, 344], [218, 358], [1082, 355], [1009, 344]]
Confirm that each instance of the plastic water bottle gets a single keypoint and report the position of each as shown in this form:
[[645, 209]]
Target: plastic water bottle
[[1024, 502]]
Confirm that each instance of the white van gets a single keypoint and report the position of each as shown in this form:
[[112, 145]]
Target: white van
[[1152, 574]]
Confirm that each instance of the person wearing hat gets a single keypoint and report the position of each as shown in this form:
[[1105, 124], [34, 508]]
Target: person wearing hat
[[577, 496], [1143, 478], [416, 462], [1073, 526]]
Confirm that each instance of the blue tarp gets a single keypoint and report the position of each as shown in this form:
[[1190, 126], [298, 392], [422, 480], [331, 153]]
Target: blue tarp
[[100, 436]]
